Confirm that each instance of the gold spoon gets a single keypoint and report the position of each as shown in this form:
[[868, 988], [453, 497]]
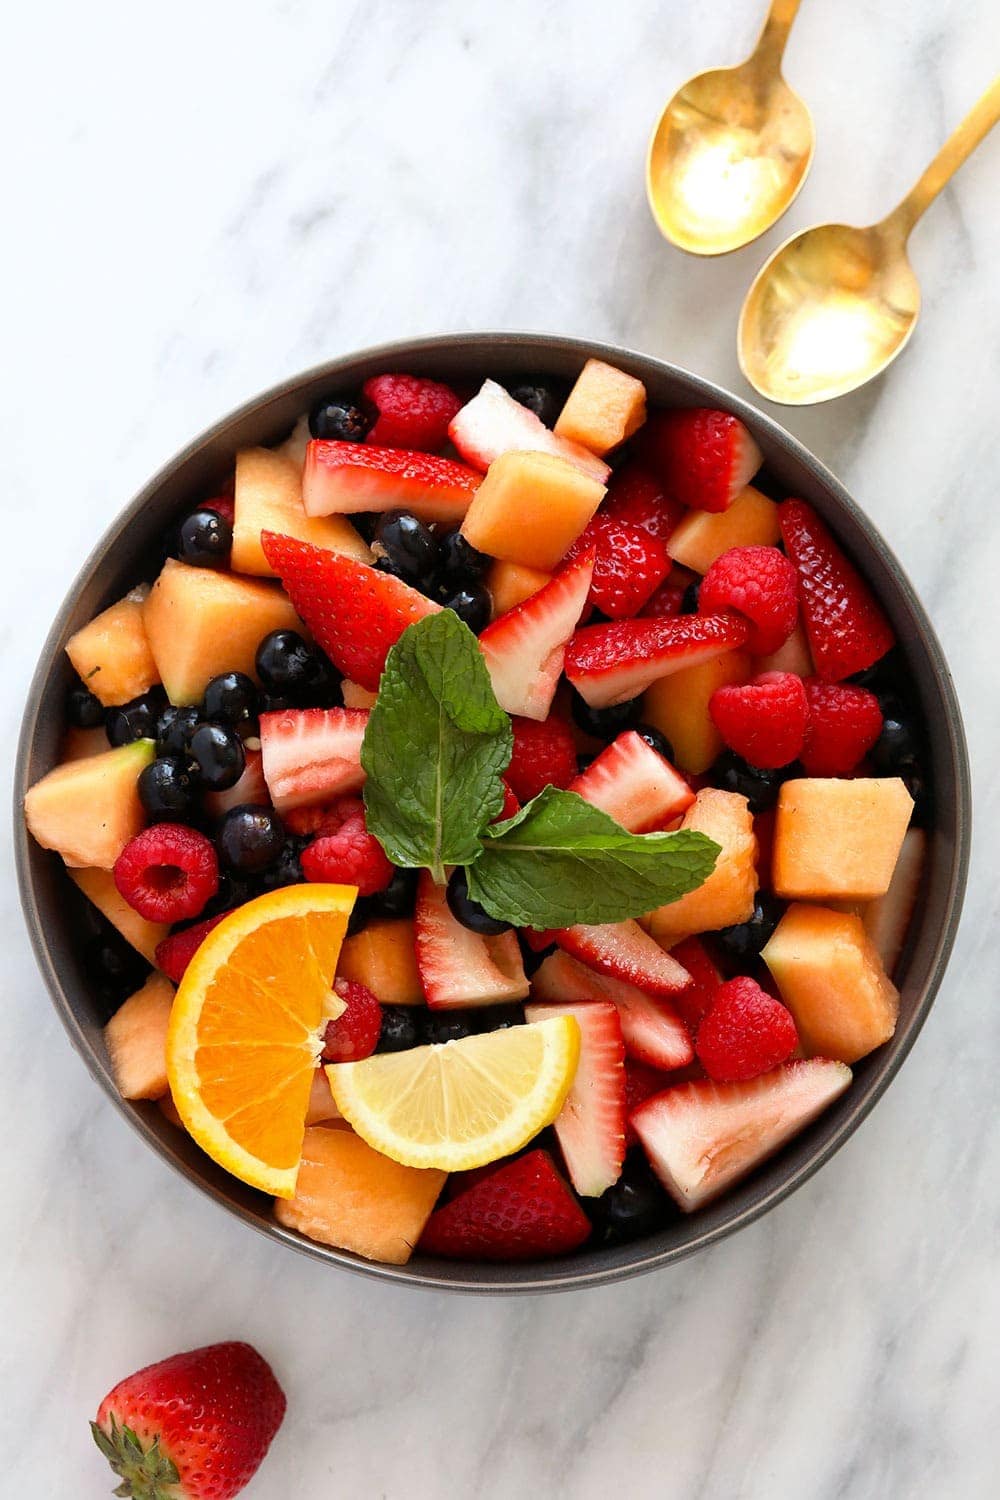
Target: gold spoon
[[834, 305], [731, 149]]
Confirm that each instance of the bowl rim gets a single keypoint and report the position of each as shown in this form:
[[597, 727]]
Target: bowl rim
[[622, 1261]]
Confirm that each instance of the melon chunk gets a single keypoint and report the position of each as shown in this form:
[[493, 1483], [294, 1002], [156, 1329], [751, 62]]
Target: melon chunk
[[87, 810], [356, 696], [793, 656], [384, 958], [887, 918], [78, 744], [201, 622], [321, 1102], [99, 887], [511, 583], [727, 896], [678, 706], [702, 536], [832, 980], [352, 1197], [268, 497], [604, 408], [530, 508], [136, 1039], [839, 840], [112, 655]]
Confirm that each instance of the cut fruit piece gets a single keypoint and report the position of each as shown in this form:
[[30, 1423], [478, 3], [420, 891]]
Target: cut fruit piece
[[604, 408], [346, 478], [839, 840], [678, 707], [530, 508], [246, 1030], [524, 650], [636, 497], [633, 784], [99, 887], [793, 656], [460, 1104], [590, 1127], [459, 968], [350, 1196], [87, 810], [751, 521], [609, 664], [250, 790], [296, 443], [383, 957], [312, 754], [832, 980], [355, 696], [705, 457], [702, 1138], [79, 744], [175, 952], [888, 917], [268, 497], [653, 1031], [511, 583], [493, 423], [136, 1039], [201, 622], [521, 1210], [112, 655], [321, 1106], [696, 999], [622, 950], [727, 896]]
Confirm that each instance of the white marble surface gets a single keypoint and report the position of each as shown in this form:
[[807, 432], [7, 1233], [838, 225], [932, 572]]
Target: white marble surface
[[204, 198]]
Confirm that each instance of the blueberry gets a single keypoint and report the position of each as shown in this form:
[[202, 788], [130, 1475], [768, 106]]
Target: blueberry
[[473, 605], [461, 564], [324, 690], [339, 420], [286, 869], [406, 548], [655, 740], [361, 915], [276, 703], [469, 912], [605, 723], [882, 675], [445, 1026], [114, 964], [286, 664], [250, 839], [897, 744], [583, 761], [498, 1017], [917, 785], [166, 790], [136, 720], [398, 898], [364, 523], [733, 774], [83, 709], [634, 1207], [544, 396], [205, 539], [174, 729], [230, 698], [745, 940], [233, 891], [399, 1028], [531, 959], [689, 599], [218, 756]]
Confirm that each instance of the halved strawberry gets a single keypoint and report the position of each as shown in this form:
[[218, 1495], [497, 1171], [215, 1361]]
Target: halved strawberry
[[459, 968], [637, 497], [610, 664], [590, 1127], [251, 788], [525, 648], [624, 951], [312, 754], [703, 1137], [493, 423], [344, 478], [355, 613], [633, 784], [516, 1210], [695, 1000], [704, 457], [653, 1031]]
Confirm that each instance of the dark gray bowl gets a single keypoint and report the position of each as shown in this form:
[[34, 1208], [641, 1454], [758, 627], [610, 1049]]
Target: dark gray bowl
[[126, 553]]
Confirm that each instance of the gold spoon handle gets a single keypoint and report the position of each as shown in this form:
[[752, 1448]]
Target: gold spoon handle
[[770, 46], [957, 148]]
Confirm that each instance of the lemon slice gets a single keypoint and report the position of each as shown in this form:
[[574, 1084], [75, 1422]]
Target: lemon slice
[[464, 1103]]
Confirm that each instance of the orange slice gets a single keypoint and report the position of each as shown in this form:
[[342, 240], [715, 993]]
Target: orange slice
[[246, 1027]]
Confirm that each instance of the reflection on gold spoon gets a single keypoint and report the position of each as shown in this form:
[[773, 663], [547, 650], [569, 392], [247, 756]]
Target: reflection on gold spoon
[[834, 305]]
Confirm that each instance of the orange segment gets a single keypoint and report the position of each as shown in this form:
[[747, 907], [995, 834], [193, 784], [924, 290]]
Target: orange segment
[[246, 1026]]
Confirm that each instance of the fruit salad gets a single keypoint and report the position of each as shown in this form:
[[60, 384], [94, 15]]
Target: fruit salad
[[499, 821]]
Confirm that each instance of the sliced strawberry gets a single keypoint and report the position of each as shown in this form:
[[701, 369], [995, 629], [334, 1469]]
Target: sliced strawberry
[[344, 478], [355, 613], [525, 648], [703, 1137], [493, 423], [695, 1000], [590, 1127], [459, 968], [544, 755], [624, 951], [652, 1029], [704, 457], [609, 664], [641, 1083], [518, 1210], [312, 754], [633, 784], [251, 788], [637, 497]]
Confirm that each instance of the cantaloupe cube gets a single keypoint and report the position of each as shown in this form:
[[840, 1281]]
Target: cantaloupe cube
[[321, 1102], [136, 1039], [268, 497], [112, 654], [838, 840], [87, 810], [888, 917], [78, 744], [201, 622], [168, 1109], [99, 887], [297, 441], [727, 896], [383, 957], [511, 583], [832, 980], [356, 696], [605, 407], [678, 707], [352, 1197], [702, 536], [793, 656], [530, 507]]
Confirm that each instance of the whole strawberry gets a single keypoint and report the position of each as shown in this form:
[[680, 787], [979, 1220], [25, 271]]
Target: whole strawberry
[[192, 1427]]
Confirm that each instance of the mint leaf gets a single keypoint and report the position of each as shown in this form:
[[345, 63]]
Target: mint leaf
[[434, 749], [560, 861]]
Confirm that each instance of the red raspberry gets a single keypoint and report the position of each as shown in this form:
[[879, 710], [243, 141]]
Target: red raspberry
[[764, 720], [759, 583], [412, 413], [322, 817], [664, 601], [745, 1033], [544, 755], [223, 505], [349, 855], [844, 723], [629, 566], [176, 951], [354, 1034], [167, 872], [637, 498], [641, 1083]]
